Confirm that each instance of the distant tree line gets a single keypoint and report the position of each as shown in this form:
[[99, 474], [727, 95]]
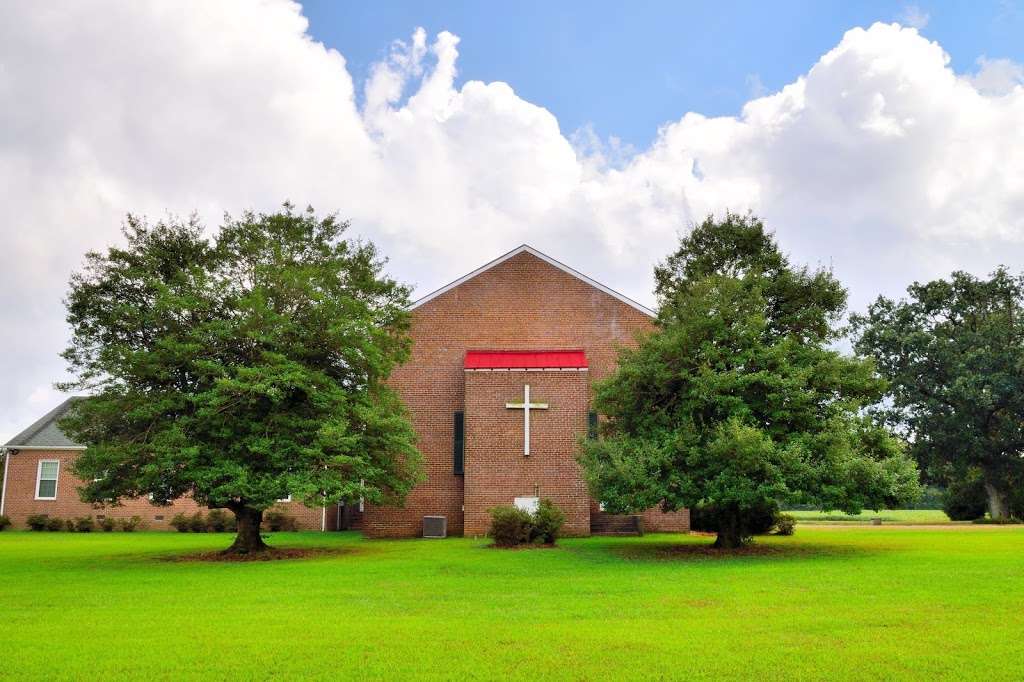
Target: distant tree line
[[953, 356]]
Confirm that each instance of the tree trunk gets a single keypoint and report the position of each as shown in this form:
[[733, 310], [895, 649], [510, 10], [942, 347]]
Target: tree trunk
[[729, 533], [248, 540], [997, 507]]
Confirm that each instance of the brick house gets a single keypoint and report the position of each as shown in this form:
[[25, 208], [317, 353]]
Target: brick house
[[498, 388], [38, 480]]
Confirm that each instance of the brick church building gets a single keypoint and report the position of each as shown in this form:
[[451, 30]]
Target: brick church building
[[499, 391]]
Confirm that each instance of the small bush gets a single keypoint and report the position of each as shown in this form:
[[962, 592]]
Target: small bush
[[217, 521], [69, 526], [988, 520], [4, 522], [965, 499], [197, 524], [181, 523], [84, 524], [510, 526], [108, 524], [547, 523], [38, 521], [54, 524], [785, 524], [129, 525], [278, 521]]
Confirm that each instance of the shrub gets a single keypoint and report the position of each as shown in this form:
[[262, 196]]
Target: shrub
[[107, 524], [83, 524], [129, 525], [181, 523], [197, 524], [278, 521], [547, 523], [988, 520], [510, 526], [69, 526], [37, 521], [217, 521], [965, 500], [785, 524], [4, 522], [54, 524]]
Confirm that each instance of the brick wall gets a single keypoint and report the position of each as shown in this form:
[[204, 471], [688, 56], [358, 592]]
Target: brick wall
[[497, 471], [654, 520], [657, 521], [523, 303], [20, 502]]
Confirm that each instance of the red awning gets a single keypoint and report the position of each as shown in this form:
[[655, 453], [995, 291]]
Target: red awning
[[526, 359]]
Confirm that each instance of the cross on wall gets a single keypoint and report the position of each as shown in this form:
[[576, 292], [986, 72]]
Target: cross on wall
[[526, 406]]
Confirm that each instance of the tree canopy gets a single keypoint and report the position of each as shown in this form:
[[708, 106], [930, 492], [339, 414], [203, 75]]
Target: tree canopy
[[954, 357], [240, 369], [736, 401]]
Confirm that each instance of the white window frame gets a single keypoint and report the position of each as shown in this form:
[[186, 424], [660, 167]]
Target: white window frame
[[285, 499], [39, 478]]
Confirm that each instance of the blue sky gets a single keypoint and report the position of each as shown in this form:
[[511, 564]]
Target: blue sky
[[859, 146], [627, 68]]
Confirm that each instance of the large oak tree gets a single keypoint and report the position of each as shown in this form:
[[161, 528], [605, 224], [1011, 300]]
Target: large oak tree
[[737, 401], [953, 352], [240, 369]]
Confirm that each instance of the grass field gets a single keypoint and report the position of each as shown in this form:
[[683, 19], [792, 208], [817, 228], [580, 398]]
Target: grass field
[[829, 603], [896, 516]]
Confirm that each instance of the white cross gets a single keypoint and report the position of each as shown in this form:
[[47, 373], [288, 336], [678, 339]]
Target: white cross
[[526, 406]]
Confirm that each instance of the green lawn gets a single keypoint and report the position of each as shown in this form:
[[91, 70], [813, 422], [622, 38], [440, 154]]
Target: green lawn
[[897, 516], [829, 603]]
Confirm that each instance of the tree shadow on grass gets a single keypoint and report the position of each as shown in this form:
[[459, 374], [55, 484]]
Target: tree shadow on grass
[[697, 549], [272, 554]]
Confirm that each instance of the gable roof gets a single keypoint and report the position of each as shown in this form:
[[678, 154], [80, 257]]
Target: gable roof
[[547, 259], [44, 432]]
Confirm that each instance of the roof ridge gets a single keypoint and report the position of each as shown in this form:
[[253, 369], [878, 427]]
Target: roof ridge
[[526, 248]]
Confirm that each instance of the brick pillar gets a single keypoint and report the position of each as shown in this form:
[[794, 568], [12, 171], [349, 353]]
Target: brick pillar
[[496, 470]]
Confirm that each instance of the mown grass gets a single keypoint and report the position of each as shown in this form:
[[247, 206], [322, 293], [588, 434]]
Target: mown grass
[[828, 603], [898, 516]]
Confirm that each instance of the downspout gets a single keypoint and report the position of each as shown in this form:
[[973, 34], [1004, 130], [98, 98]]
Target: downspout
[[323, 518], [3, 491]]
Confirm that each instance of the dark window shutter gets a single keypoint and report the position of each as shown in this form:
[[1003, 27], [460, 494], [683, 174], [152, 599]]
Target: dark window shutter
[[459, 443], [592, 425]]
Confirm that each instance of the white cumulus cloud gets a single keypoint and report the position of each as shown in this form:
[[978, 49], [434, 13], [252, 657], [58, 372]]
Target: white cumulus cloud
[[879, 161]]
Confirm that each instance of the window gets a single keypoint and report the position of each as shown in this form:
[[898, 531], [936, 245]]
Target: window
[[592, 425], [285, 499], [46, 479], [459, 443]]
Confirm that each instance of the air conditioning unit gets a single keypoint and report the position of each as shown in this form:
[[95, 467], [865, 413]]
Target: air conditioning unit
[[435, 526]]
